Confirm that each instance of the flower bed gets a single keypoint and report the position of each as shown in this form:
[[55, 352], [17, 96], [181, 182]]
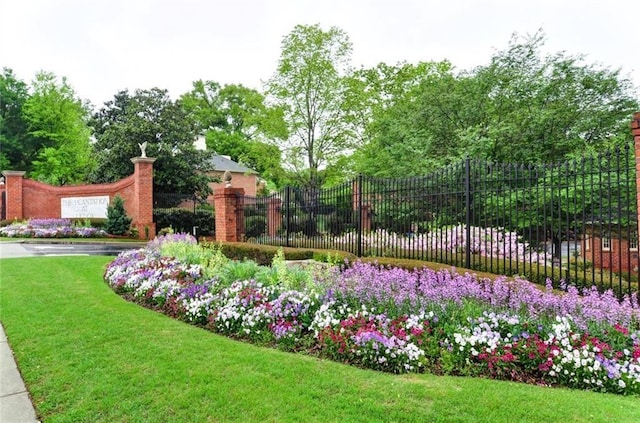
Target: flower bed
[[397, 321], [50, 228]]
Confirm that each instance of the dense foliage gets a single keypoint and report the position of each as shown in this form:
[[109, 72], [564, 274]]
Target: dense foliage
[[237, 122], [201, 220], [151, 117], [44, 132], [18, 151], [523, 106]]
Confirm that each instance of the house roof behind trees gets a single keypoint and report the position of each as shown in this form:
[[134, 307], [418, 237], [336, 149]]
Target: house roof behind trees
[[222, 163]]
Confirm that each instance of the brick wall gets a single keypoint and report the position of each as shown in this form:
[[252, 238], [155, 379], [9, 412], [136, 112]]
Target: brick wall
[[28, 199], [618, 258], [43, 201]]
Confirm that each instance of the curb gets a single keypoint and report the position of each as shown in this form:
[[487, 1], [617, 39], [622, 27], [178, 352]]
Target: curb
[[15, 402]]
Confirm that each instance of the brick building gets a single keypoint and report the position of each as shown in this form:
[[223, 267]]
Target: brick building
[[241, 176], [613, 251]]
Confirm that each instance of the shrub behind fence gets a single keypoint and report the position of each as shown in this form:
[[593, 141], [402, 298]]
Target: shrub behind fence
[[183, 213]]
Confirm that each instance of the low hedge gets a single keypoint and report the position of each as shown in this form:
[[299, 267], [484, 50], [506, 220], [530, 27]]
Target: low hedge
[[482, 266], [263, 254]]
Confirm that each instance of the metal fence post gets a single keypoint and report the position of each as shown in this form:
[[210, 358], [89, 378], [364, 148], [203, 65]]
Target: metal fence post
[[287, 199], [360, 216], [467, 203]]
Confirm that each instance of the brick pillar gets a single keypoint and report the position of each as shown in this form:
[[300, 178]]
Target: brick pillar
[[366, 218], [229, 224], [274, 216], [3, 209], [13, 187], [635, 130], [357, 202], [355, 196], [142, 209]]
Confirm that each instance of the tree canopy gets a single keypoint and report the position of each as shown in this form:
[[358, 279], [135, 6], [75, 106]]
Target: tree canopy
[[150, 116], [44, 132], [16, 150], [392, 139], [236, 121], [58, 121], [310, 86], [523, 106], [318, 121]]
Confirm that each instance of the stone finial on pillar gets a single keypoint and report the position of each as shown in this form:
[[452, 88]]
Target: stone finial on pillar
[[226, 178]]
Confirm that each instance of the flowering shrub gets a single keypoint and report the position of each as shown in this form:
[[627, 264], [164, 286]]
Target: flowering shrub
[[50, 228], [172, 239], [486, 242], [399, 321]]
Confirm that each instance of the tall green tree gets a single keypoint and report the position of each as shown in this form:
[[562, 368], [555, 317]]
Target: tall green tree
[[310, 85], [394, 143], [57, 122], [16, 151], [44, 129], [542, 108], [236, 121], [371, 91], [150, 116]]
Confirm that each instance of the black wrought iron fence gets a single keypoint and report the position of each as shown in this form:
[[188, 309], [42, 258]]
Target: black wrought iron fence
[[574, 221], [183, 213]]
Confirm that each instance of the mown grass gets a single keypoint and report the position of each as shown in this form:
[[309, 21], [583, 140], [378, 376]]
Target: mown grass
[[88, 356]]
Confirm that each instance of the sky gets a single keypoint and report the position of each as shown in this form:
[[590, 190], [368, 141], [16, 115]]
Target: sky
[[105, 46]]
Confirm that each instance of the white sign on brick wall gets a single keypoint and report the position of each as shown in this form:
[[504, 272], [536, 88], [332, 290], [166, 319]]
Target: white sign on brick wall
[[74, 207]]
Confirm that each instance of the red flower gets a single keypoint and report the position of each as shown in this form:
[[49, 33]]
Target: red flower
[[621, 329]]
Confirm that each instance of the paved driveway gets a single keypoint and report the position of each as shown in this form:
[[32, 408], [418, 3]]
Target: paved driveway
[[23, 248], [13, 249]]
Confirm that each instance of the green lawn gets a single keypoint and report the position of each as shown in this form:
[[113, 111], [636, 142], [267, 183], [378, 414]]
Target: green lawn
[[88, 356]]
